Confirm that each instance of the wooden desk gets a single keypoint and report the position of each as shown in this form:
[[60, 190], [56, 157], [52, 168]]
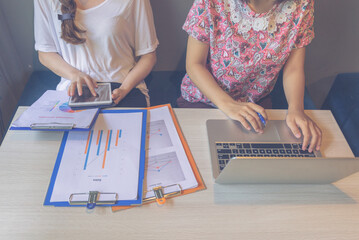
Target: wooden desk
[[245, 212]]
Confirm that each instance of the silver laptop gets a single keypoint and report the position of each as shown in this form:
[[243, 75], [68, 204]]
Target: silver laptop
[[242, 156]]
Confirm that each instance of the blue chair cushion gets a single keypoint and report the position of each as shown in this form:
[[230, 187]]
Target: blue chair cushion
[[38, 83], [342, 100], [164, 87], [279, 100]]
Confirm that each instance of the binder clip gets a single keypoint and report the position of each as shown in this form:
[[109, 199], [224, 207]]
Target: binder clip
[[51, 126], [160, 196], [92, 199]]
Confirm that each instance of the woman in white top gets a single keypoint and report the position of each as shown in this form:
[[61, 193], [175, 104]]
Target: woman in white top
[[90, 41]]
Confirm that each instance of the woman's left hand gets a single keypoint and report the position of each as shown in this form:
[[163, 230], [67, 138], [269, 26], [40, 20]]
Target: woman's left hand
[[118, 94], [299, 122]]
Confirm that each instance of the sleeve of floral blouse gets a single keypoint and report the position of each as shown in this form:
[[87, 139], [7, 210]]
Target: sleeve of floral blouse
[[305, 29], [197, 21]]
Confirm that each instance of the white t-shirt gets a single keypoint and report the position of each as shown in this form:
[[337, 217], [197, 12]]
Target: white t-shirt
[[117, 31]]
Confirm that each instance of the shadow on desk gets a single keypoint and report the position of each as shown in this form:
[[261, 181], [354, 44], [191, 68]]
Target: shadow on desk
[[288, 194]]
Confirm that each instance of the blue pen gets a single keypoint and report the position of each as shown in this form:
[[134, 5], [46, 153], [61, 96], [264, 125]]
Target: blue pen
[[261, 118], [259, 115]]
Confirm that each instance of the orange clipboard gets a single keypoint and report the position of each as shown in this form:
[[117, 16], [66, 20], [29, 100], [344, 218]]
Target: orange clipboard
[[201, 185]]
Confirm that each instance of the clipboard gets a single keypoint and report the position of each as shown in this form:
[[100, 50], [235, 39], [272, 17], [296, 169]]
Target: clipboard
[[51, 112], [159, 190], [94, 197]]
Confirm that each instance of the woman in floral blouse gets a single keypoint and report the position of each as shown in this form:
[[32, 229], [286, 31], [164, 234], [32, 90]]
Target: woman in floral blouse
[[235, 51]]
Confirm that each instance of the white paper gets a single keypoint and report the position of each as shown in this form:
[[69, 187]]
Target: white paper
[[52, 108], [167, 162], [105, 159]]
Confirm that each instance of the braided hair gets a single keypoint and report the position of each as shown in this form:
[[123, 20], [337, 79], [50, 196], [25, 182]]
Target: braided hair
[[70, 32]]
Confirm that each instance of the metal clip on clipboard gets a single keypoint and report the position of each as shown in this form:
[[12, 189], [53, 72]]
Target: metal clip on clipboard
[[52, 125], [92, 199], [159, 193]]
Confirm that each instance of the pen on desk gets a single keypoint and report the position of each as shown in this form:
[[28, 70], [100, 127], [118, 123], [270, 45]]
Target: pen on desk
[[259, 115]]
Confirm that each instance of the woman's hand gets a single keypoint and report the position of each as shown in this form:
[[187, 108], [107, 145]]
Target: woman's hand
[[77, 80], [246, 114], [59, 66], [299, 122], [119, 93]]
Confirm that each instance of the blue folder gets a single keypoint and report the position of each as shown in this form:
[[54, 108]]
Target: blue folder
[[139, 198]]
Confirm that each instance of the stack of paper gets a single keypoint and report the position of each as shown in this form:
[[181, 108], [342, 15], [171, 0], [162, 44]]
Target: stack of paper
[[51, 111]]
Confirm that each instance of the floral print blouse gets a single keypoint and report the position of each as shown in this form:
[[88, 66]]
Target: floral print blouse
[[247, 50]]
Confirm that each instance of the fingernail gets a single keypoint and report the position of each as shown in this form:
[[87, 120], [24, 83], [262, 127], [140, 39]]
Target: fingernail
[[297, 135]]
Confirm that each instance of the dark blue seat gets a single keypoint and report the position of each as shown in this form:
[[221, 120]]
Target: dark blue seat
[[164, 87], [280, 102], [343, 101], [38, 83]]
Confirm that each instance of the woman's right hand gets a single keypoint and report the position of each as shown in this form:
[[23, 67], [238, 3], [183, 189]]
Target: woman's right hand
[[77, 80], [246, 114]]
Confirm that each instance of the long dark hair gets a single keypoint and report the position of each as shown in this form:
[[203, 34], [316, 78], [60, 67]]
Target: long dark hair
[[70, 32]]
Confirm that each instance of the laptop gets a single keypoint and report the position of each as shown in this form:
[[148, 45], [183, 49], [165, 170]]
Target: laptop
[[242, 156]]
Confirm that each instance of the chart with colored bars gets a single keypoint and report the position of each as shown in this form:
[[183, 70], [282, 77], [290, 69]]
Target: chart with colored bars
[[99, 144], [164, 166], [158, 135], [59, 105]]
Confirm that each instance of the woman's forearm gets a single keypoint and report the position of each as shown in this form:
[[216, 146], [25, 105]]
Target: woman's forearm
[[294, 80], [57, 64], [204, 80], [197, 53], [140, 71]]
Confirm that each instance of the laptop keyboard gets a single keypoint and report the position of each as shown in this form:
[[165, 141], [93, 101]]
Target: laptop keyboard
[[228, 150]]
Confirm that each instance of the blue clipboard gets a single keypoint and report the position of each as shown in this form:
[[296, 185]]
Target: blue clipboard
[[51, 112], [58, 127], [136, 201]]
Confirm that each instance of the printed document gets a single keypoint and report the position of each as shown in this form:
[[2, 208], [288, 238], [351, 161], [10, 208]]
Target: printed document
[[52, 108], [167, 162], [105, 159]]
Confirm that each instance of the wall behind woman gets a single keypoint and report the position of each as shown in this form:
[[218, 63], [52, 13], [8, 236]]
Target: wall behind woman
[[14, 70], [334, 49]]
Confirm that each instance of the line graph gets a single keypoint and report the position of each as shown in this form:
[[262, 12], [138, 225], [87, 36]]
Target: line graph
[[158, 135], [164, 166]]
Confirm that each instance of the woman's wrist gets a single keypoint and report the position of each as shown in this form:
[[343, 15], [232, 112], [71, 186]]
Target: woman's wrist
[[125, 88], [74, 74], [223, 101], [295, 111], [295, 108]]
